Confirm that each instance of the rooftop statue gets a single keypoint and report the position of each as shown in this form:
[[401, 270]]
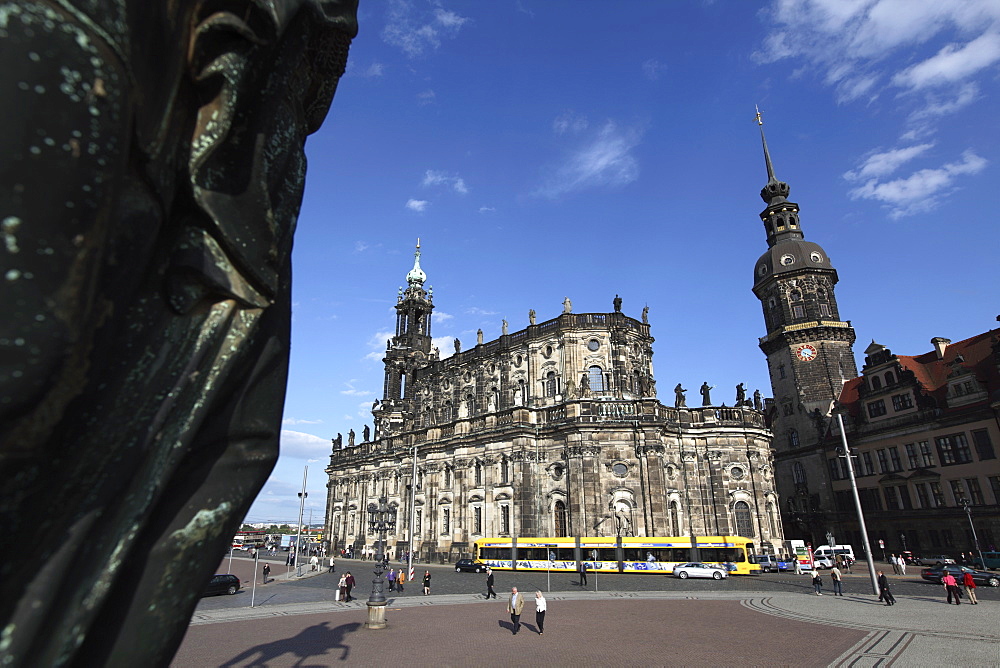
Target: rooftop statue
[[146, 302]]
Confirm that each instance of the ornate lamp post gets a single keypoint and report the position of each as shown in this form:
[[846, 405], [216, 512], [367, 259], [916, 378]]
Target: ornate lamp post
[[381, 518]]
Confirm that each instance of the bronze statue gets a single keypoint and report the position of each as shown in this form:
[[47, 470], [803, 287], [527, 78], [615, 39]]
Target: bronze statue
[[706, 396], [350, 438], [617, 301], [741, 395], [680, 400], [458, 346], [147, 276], [366, 434], [757, 403]]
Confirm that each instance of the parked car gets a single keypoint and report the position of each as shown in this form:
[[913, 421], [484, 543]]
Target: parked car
[[770, 563], [695, 569], [984, 578], [469, 566], [822, 562], [934, 559], [222, 583]]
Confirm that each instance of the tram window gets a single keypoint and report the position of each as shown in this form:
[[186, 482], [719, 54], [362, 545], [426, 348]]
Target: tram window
[[674, 554], [719, 554], [565, 554], [533, 553], [495, 553], [606, 554]]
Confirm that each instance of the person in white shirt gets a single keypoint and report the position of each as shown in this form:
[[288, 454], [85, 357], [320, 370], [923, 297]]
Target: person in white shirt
[[540, 612]]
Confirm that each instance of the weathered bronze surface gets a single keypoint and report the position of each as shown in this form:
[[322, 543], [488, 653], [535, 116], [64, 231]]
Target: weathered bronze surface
[[152, 169]]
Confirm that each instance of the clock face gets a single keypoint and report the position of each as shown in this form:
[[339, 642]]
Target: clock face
[[806, 353]]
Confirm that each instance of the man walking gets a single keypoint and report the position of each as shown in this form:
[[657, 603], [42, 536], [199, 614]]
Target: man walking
[[583, 573], [333, 566], [883, 587], [836, 577], [267, 572], [392, 579], [350, 585], [514, 607], [970, 587], [489, 583]]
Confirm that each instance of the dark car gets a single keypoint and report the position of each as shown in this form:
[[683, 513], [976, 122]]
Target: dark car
[[222, 583], [469, 566], [935, 574]]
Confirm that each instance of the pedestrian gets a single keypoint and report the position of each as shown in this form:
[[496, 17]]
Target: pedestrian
[[514, 606], [400, 579], [798, 566], [343, 587], [836, 577], [540, 612], [267, 571], [350, 585], [333, 566], [883, 588], [850, 563], [314, 563], [392, 579], [427, 583], [817, 583], [489, 583], [583, 573], [951, 586], [970, 587]]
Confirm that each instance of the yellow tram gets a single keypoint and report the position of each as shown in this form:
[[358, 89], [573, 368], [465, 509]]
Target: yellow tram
[[613, 554]]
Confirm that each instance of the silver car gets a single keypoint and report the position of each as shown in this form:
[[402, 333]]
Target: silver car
[[695, 569]]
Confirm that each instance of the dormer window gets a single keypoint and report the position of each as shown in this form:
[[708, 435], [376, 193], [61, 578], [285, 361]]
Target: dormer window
[[889, 378], [876, 383]]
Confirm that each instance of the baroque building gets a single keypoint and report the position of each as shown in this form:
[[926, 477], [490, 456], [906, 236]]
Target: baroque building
[[923, 431], [809, 358], [552, 430]]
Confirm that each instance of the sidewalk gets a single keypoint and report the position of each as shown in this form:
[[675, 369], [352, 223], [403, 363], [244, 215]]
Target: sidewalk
[[599, 628]]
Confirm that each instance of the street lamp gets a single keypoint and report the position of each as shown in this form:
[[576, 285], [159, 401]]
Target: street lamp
[[381, 518], [975, 538], [845, 452]]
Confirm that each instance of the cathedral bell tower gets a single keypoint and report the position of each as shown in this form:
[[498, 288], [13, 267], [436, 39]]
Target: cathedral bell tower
[[809, 356], [408, 350]]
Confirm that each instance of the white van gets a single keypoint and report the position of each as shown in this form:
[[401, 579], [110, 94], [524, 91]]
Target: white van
[[831, 552]]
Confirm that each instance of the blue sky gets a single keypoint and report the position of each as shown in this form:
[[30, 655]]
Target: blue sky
[[544, 149]]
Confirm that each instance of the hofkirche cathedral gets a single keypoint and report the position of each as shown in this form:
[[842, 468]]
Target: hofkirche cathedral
[[557, 430]]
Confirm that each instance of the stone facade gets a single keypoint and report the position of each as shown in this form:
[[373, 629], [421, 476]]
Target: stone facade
[[552, 430]]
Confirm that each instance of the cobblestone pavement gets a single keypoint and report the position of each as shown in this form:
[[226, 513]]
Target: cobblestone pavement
[[704, 623]]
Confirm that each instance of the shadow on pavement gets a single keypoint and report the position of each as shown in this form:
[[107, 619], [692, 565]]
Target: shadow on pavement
[[313, 641]]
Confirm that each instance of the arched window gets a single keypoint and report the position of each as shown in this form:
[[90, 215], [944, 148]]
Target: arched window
[[795, 296], [770, 518], [889, 378], [675, 520], [560, 519], [876, 383], [479, 473], [449, 412], [744, 523], [550, 384], [793, 438], [596, 378], [798, 474], [447, 476], [470, 402]]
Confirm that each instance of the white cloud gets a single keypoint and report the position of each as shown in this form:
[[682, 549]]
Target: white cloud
[[921, 191], [417, 205], [947, 103], [475, 310], [298, 421], [486, 209], [303, 446], [377, 343], [570, 122], [372, 71], [604, 159], [440, 316], [952, 63], [886, 162], [435, 178], [353, 391], [652, 69], [415, 32], [425, 97]]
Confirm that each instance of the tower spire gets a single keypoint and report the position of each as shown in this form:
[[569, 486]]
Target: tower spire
[[767, 154], [416, 275]]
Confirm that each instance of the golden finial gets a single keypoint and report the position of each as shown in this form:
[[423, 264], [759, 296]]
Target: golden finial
[[759, 121], [418, 238]]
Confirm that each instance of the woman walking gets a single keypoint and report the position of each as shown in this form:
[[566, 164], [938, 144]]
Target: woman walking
[[427, 583], [401, 578], [343, 587], [540, 612], [818, 583], [970, 587]]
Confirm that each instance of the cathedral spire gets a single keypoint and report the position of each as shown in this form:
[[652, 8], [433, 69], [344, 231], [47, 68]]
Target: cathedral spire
[[416, 276], [775, 192]]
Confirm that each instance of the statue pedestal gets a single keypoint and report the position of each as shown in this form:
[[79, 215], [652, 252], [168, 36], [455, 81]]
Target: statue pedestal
[[376, 616]]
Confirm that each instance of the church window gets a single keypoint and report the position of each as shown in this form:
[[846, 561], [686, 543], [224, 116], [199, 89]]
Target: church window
[[418, 521], [593, 345], [821, 295], [675, 524], [815, 257], [551, 384], [798, 311], [518, 360], [771, 518], [798, 474], [793, 438], [504, 471], [448, 412], [353, 519], [477, 519], [795, 296], [596, 378], [336, 525], [505, 519], [479, 473], [824, 310], [744, 522], [446, 521], [447, 476], [560, 519], [470, 403]]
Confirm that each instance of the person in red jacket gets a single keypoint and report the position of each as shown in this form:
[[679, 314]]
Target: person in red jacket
[[350, 585], [970, 587]]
